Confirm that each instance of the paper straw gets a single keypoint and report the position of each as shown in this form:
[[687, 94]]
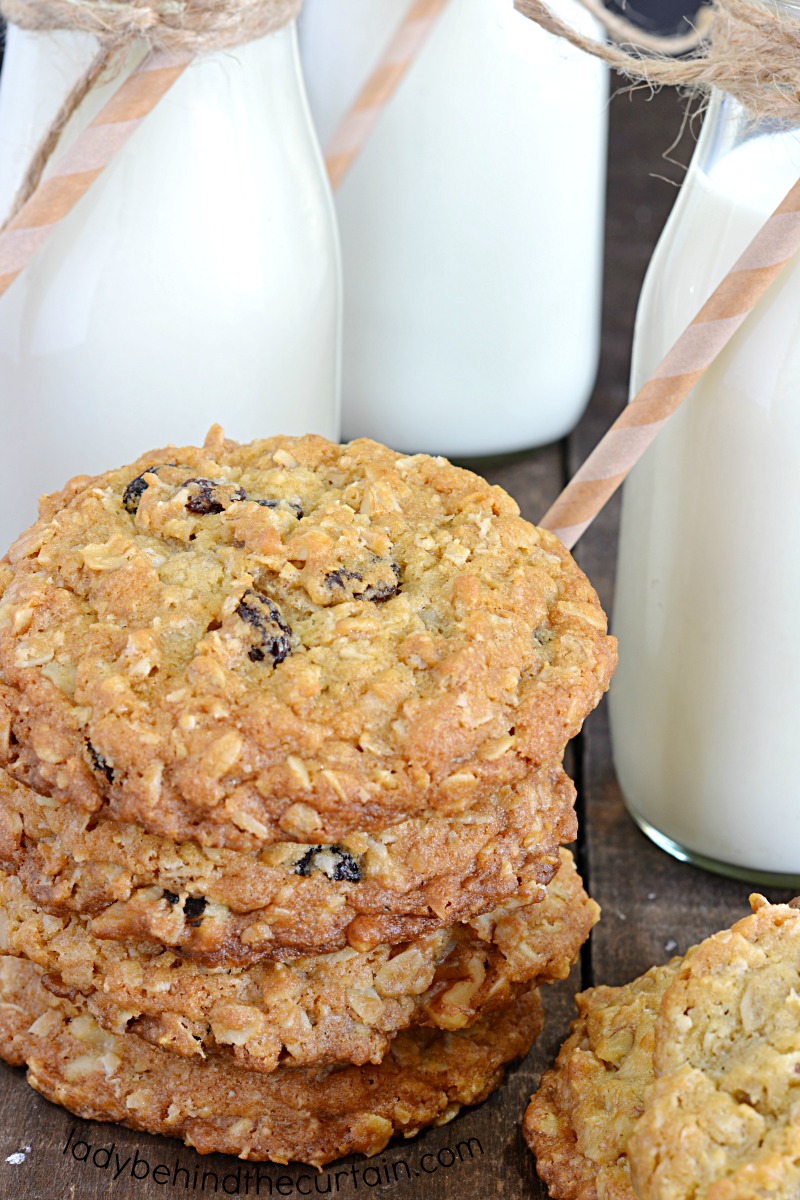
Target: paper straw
[[90, 154], [693, 353], [360, 120]]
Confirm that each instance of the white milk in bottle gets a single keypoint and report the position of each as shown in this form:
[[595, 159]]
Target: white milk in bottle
[[705, 705], [197, 281], [471, 224]]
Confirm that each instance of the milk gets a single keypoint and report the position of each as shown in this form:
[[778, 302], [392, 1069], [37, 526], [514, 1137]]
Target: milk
[[198, 280], [705, 705], [471, 225]]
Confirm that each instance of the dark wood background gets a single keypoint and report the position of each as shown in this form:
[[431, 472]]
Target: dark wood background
[[652, 906]]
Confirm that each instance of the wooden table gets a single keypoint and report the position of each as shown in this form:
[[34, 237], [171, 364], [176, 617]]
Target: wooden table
[[653, 906]]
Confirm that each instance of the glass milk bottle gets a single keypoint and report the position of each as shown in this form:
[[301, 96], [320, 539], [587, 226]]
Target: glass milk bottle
[[471, 224], [705, 705], [197, 281]]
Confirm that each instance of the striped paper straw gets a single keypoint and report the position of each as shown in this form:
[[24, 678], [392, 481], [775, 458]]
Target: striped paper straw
[[361, 118], [693, 353], [90, 154]]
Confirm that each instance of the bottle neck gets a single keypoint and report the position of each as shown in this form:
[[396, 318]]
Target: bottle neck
[[727, 127], [40, 68]]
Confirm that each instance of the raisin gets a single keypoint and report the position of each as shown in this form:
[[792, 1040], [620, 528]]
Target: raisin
[[171, 897], [339, 577], [379, 581], [194, 906], [99, 763], [274, 632], [378, 592], [305, 865], [333, 861], [208, 496], [137, 487], [296, 508], [346, 868]]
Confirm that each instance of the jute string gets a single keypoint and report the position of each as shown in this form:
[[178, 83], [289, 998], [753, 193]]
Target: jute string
[[190, 26], [749, 50]]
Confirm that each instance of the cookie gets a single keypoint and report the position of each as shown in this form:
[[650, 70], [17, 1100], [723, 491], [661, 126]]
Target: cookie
[[242, 644], [329, 1009], [722, 1121], [580, 1120], [214, 1105], [227, 907], [685, 1083]]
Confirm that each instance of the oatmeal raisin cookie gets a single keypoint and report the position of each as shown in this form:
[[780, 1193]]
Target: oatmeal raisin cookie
[[685, 1083], [229, 908], [337, 1008], [289, 639]]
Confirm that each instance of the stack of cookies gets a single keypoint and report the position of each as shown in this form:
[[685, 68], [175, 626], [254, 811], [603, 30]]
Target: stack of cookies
[[282, 806], [685, 1083]]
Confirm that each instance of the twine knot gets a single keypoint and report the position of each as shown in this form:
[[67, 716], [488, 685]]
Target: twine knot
[[171, 25]]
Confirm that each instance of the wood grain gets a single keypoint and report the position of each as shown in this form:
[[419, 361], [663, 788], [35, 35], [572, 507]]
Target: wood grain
[[651, 904]]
